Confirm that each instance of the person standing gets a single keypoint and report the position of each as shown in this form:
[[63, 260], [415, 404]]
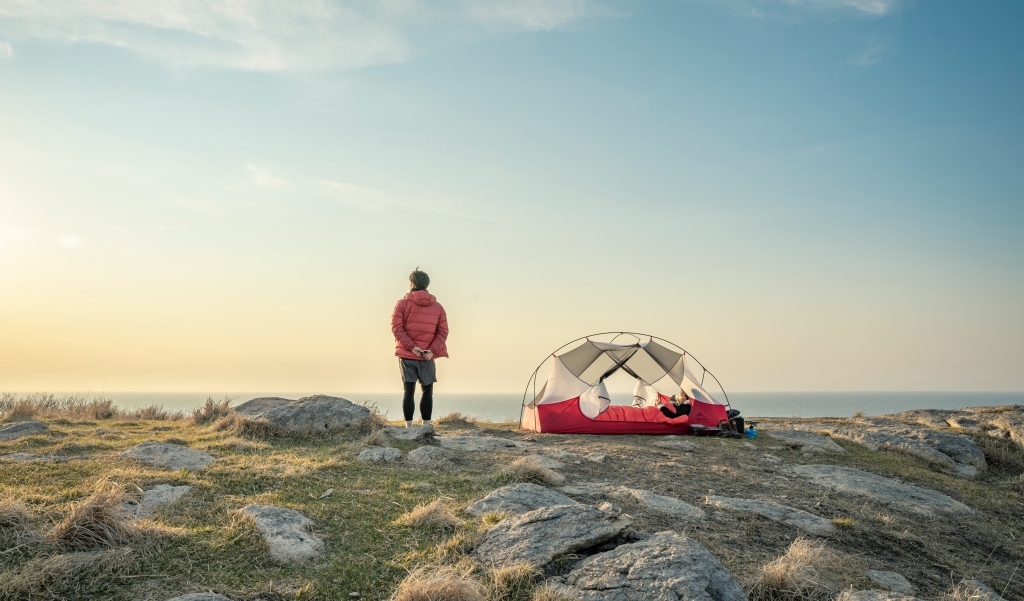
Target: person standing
[[420, 327]]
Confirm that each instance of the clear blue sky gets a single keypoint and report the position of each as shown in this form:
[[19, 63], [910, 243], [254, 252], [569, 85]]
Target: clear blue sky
[[807, 194]]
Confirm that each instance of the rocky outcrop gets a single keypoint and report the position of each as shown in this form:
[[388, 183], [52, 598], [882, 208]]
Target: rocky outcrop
[[954, 454], [170, 456], [891, 581], [663, 567], [516, 499], [286, 532], [537, 536], [481, 443], [158, 496], [428, 456], [797, 518], [906, 496], [314, 414], [807, 441], [649, 500], [380, 455], [1005, 421], [416, 434], [22, 429]]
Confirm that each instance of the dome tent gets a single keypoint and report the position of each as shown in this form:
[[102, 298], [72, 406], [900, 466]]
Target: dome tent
[[575, 400]]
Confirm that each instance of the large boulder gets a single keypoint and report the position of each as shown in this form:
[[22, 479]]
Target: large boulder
[[21, 429], [907, 496], [537, 536], [797, 518], [286, 532], [663, 567], [313, 414], [170, 456], [516, 499]]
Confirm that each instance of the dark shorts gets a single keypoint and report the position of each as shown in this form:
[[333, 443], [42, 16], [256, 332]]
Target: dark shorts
[[417, 369]]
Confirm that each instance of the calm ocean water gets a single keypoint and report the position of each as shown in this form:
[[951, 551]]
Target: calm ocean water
[[500, 407]]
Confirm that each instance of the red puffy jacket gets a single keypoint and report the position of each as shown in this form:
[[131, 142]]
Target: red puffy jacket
[[419, 320]]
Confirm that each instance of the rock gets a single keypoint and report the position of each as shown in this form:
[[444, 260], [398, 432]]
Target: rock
[[430, 456], [663, 567], [807, 440], [104, 431], [890, 580], [201, 597], [170, 456], [998, 433], [671, 442], [22, 429], [537, 536], [31, 457], [481, 443], [1006, 418], [158, 496], [647, 499], [596, 457], [416, 434], [516, 499], [801, 520], [380, 455], [564, 456], [874, 595], [542, 461], [954, 454], [907, 496], [311, 414], [287, 533], [980, 591]]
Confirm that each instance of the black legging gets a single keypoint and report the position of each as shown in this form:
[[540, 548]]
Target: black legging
[[426, 402], [679, 411]]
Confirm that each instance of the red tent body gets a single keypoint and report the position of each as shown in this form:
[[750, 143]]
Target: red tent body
[[566, 418]]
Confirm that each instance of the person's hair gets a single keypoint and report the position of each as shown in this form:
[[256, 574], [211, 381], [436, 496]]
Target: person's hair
[[420, 280]]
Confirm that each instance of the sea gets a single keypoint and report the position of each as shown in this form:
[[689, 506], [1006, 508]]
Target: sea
[[507, 406]]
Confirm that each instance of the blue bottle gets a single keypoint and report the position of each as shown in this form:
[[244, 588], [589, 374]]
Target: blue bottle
[[751, 433]]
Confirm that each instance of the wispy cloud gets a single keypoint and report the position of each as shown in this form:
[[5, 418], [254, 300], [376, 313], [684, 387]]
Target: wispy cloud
[[873, 53], [264, 179], [831, 8], [374, 200], [264, 35]]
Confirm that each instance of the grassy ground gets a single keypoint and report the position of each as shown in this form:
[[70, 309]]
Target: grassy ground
[[202, 543]]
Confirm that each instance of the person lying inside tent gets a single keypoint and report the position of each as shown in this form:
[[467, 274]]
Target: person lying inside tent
[[680, 406]]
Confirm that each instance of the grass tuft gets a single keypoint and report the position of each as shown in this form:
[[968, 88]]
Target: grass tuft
[[376, 438], [1002, 453], [99, 521], [68, 576], [546, 593], [806, 572], [42, 405], [440, 583], [212, 411], [511, 583], [435, 514], [456, 420], [523, 470]]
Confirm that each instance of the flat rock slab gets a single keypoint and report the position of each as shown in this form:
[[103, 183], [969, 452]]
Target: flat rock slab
[[890, 580], [874, 595], [807, 441], [542, 461], [799, 519], [416, 433], [30, 457], [22, 429], [380, 455], [672, 442], [481, 443], [517, 499], [287, 533], [158, 496], [311, 414], [170, 456], [663, 567], [649, 500], [907, 496], [954, 454], [201, 597], [430, 456], [537, 536]]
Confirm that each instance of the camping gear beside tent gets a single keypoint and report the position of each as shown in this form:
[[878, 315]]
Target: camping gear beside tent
[[574, 399]]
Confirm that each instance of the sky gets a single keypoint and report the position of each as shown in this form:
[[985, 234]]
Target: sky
[[230, 194]]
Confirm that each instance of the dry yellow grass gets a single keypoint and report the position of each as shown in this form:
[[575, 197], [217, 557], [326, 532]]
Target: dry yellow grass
[[807, 571], [523, 470], [511, 583], [99, 521], [41, 405], [440, 583], [376, 438], [14, 514], [211, 411], [62, 576], [456, 420], [435, 514], [546, 593]]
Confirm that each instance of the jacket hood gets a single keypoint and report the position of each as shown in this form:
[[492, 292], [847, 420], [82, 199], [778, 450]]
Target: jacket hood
[[421, 298]]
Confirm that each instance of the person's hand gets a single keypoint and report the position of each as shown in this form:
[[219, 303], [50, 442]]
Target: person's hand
[[428, 355], [417, 351]]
